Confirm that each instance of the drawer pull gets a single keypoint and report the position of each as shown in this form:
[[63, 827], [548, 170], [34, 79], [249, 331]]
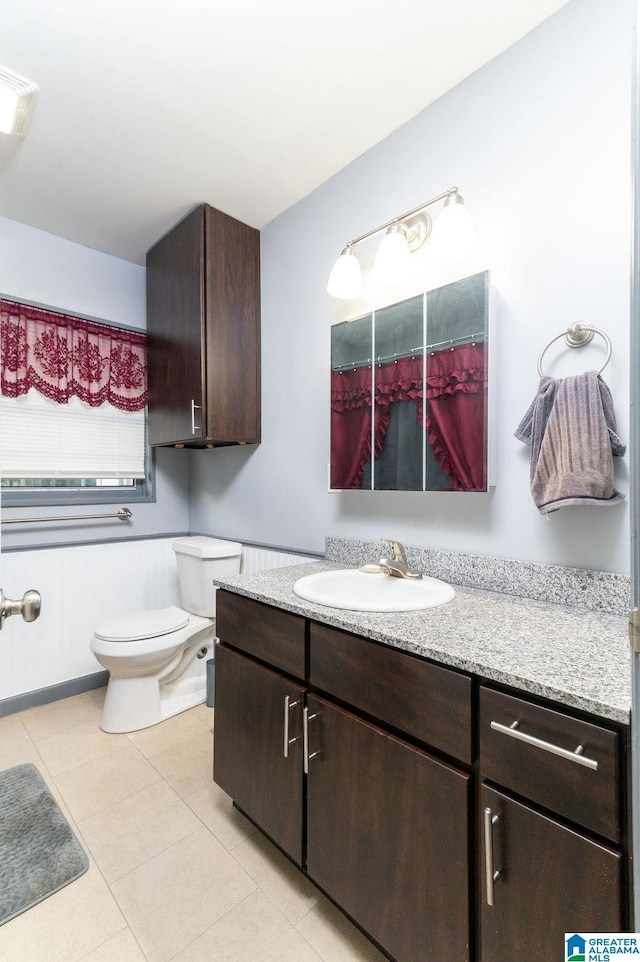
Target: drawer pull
[[306, 718], [575, 756], [288, 705], [491, 875]]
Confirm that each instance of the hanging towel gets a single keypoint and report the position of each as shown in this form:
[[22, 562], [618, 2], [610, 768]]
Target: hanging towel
[[571, 427]]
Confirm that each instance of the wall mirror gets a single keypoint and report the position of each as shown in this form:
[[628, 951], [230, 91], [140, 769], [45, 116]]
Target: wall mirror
[[410, 393]]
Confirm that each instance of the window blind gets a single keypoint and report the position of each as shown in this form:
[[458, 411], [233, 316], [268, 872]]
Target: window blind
[[40, 438]]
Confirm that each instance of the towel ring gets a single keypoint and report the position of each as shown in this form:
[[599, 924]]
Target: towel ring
[[577, 335]]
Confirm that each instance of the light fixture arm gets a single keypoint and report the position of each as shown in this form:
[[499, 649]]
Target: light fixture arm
[[403, 236], [402, 217]]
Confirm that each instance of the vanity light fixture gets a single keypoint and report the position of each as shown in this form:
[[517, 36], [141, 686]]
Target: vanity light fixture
[[17, 100], [403, 235]]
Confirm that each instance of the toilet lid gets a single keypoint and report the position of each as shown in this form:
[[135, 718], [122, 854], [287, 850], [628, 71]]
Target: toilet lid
[[143, 624]]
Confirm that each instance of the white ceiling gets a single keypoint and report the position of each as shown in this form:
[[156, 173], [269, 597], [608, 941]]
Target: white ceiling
[[147, 107]]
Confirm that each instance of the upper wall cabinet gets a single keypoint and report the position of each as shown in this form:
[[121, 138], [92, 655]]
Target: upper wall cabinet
[[203, 325], [410, 393]]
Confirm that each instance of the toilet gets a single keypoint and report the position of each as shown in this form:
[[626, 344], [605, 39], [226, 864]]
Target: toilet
[[157, 659]]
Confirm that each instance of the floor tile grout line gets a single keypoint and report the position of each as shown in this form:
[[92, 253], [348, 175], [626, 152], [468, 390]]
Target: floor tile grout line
[[111, 804], [157, 854], [224, 915]]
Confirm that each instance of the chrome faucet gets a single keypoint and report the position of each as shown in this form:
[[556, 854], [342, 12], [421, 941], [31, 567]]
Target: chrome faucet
[[396, 565]]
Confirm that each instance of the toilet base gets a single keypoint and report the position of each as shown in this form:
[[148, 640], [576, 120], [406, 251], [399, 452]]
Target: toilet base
[[134, 703]]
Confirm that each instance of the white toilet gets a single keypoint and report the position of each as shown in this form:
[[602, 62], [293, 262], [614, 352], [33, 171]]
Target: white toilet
[[157, 659]]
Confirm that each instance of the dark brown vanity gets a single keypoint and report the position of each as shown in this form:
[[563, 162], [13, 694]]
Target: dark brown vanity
[[449, 817]]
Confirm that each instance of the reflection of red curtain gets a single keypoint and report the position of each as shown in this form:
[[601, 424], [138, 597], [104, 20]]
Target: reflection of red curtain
[[63, 356], [350, 426], [455, 416]]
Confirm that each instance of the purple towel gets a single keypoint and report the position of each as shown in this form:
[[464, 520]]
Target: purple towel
[[571, 427]]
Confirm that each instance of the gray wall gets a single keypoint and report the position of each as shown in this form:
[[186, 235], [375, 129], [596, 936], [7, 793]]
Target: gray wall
[[538, 142]]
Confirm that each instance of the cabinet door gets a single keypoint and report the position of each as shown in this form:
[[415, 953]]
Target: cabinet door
[[251, 719], [387, 836], [232, 329], [552, 880], [175, 333]]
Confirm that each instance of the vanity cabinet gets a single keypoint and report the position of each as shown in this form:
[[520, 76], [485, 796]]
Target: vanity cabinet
[[386, 820], [203, 332], [250, 763], [258, 725], [551, 822], [387, 835], [450, 819]]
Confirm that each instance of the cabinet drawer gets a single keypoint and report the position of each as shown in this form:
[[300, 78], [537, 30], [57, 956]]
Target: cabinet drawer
[[274, 636], [522, 757], [430, 703]]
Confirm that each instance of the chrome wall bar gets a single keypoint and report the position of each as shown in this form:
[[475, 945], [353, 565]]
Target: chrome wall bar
[[122, 515]]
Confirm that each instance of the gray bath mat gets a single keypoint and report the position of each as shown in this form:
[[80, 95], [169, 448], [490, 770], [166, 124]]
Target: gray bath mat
[[39, 853]]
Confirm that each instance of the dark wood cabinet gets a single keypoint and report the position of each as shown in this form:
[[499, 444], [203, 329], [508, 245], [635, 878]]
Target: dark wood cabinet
[[401, 787], [552, 880], [387, 835], [556, 793], [425, 701], [254, 709], [519, 741], [386, 823], [203, 326]]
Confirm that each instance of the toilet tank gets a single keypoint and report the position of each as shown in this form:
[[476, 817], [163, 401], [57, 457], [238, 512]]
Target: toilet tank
[[199, 561]]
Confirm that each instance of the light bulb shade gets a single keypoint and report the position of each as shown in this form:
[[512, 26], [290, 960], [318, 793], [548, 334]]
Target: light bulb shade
[[345, 279], [17, 99], [393, 259], [453, 235]]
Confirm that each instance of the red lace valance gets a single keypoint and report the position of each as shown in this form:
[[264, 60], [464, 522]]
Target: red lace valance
[[63, 356]]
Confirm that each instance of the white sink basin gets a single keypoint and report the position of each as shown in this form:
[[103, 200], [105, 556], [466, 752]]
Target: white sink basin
[[357, 590]]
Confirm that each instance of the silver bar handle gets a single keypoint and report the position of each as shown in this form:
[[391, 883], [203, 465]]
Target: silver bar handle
[[491, 875], [288, 705], [575, 756], [306, 718], [194, 407]]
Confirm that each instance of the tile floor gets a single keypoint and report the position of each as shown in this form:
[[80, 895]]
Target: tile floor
[[175, 871]]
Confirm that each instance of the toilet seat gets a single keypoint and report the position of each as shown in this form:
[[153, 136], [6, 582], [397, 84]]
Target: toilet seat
[[139, 625]]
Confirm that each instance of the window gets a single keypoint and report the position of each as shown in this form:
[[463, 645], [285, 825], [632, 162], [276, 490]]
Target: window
[[72, 409]]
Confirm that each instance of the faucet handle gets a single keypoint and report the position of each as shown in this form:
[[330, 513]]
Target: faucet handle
[[397, 550]]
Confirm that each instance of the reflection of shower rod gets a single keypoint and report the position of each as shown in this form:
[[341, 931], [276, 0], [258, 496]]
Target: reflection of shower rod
[[452, 342]]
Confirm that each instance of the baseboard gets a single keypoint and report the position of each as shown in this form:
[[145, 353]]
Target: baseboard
[[43, 696]]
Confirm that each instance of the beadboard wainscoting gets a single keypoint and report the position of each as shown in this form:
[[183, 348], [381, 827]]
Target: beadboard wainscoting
[[260, 559], [82, 585]]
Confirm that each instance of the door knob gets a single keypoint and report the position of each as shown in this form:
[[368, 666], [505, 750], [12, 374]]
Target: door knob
[[28, 606]]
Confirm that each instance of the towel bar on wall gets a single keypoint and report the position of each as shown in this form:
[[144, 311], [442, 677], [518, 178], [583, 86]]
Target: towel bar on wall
[[123, 514], [577, 335]]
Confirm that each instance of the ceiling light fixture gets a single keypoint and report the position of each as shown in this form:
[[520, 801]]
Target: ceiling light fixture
[[17, 100], [403, 235]]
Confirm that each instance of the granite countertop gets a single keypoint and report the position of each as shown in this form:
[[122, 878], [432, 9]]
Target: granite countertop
[[576, 657]]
